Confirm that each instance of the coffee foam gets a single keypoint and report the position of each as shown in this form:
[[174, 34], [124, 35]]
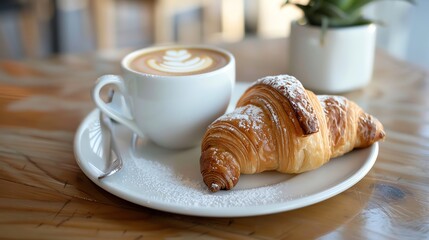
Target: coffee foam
[[179, 61]]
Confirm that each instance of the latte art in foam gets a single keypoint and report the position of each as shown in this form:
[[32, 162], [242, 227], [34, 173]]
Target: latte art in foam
[[180, 61]]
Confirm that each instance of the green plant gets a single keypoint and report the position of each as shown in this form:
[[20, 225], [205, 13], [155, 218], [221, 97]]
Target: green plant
[[334, 13]]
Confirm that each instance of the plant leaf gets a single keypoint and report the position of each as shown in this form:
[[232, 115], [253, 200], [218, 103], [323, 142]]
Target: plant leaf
[[325, 25], [335, 13], [331, 10], [343, 4], [359, 4]]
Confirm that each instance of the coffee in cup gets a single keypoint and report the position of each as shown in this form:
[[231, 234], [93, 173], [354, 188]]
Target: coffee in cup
[[179, 61], [170, 94]]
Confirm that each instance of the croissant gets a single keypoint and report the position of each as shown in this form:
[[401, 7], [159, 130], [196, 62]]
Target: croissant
[[278, 125]]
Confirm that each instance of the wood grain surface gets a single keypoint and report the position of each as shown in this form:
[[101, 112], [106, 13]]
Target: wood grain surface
[[44, 194]]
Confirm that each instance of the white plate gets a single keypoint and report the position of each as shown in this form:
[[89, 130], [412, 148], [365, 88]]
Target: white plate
[[171, 181]]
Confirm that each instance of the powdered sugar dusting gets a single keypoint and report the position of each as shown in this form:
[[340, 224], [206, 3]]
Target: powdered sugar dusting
[[330, 100], [335, 109], [249, 117], [286, 84], [163, 182], [293, 90]]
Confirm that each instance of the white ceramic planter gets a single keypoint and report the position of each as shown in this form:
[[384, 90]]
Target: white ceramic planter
[[343, 63]]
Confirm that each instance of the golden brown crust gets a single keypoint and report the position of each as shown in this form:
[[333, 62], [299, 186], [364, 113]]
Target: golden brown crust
[[295, 94], [278, 125], [220, 171]]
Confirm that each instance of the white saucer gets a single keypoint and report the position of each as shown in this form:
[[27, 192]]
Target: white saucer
[[171, 181]]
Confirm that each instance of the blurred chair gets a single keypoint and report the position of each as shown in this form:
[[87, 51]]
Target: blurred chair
[[23, 28], [123, 23], [45, 27], [196, 21]]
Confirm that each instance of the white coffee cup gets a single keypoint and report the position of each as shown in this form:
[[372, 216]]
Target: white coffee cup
[[174, 109]]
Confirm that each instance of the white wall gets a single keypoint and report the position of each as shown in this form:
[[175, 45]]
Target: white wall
[[418, 45], [404, 31]]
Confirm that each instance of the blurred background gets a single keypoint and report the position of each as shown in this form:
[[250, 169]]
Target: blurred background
[[41, 28]]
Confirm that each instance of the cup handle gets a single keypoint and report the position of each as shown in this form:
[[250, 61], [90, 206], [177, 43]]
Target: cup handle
[[118, 113]]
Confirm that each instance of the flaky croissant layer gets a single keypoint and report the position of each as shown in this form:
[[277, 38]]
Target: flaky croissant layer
[[278, 125]]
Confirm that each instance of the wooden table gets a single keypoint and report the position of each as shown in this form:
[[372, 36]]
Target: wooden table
[[45, 195]]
